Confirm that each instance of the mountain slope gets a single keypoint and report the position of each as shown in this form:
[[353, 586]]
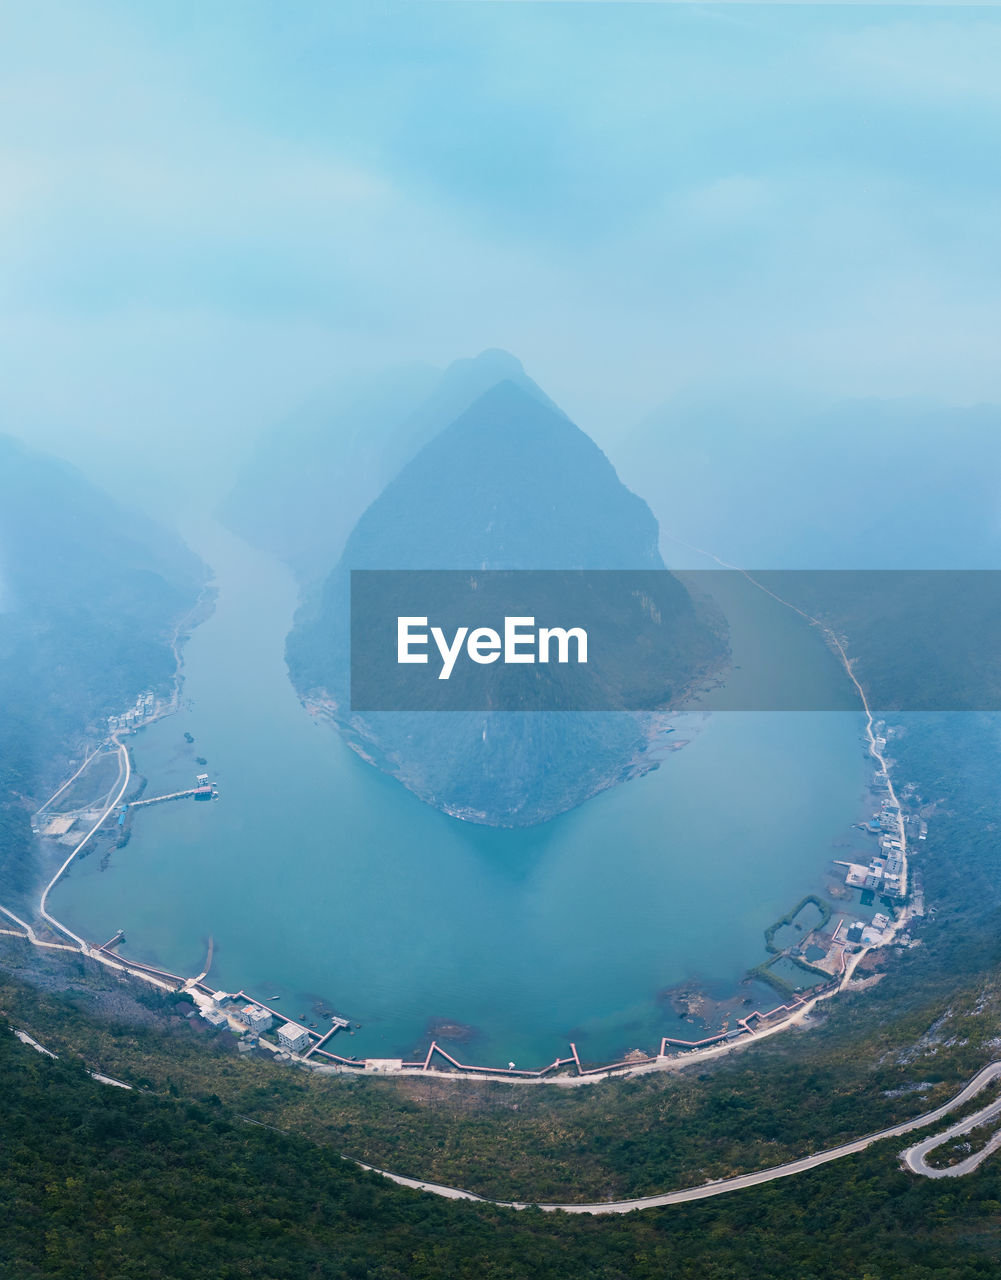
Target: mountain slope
[[511, 484], [309, 480], [89, 597]]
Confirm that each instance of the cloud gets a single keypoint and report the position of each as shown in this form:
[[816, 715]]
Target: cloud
[[938, 58], [204, 215]]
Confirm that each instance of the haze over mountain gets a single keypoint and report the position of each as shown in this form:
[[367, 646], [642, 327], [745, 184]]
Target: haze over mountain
[[784, 481], [510, 484], [90, 594], [310, 479]]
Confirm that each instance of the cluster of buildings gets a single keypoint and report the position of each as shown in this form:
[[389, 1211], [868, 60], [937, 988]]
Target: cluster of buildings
[[136, 716], [868, 933], [258, 1019], [290, 1035], [884, 873]]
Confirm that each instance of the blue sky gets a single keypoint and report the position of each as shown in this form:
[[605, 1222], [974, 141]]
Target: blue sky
[[206, 212]]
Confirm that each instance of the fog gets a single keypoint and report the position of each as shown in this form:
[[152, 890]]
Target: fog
[[211, 215]]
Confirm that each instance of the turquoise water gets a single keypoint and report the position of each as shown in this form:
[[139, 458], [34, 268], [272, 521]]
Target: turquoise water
[[321, 879]]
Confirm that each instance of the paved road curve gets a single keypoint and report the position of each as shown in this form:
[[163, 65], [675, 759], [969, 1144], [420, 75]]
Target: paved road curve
[[726, 1185], [124, 774], [915, 1157]]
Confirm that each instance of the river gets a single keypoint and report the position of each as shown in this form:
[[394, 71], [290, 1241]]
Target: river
[[327, 884]]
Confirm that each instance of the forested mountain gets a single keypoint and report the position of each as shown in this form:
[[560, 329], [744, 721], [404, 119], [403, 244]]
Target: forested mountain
[[511, 484], [90, 595], [310, 479]]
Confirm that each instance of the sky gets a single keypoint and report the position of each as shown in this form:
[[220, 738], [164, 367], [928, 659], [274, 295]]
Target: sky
[[208, 212]]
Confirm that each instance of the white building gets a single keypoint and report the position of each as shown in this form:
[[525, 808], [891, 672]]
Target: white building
[[874, 876], [256, 1018], [293, 1037]]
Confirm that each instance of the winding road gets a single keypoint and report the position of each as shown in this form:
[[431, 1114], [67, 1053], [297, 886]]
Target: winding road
[[913, 1158], [124, 768]]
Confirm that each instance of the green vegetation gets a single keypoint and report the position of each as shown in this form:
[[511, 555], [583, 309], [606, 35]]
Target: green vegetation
[[964, 1144], [172, 1183], [916, 638], [932, 1018], [771, 1101], [167, 1185], [91, 596]]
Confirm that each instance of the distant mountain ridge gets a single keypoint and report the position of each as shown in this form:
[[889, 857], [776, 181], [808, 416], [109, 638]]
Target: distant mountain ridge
[[510, 484], [781, 482], [311, 478], [546, 497]]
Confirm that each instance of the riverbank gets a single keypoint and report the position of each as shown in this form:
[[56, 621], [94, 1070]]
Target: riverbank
[[533, 941], [567, 1071]]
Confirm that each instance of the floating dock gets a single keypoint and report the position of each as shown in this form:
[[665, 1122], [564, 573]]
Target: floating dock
[[205, 792]]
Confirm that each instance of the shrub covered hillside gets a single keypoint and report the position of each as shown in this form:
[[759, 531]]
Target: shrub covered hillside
[[90, 596], [106, 1183]]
